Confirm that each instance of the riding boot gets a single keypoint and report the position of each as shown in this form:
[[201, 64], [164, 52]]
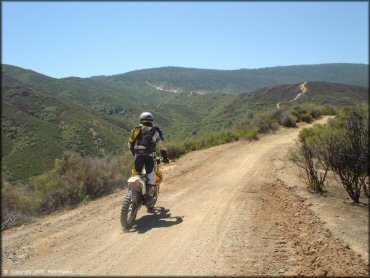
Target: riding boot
[[151, 190]]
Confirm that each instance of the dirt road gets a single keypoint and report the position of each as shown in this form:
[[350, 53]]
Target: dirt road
[[221, 211]]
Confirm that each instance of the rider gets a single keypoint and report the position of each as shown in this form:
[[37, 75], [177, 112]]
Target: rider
[[142, 143]]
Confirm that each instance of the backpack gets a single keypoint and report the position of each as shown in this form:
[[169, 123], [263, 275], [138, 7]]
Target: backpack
[[145, 137]]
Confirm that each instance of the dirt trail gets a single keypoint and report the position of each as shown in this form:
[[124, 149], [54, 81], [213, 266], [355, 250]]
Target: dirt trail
[[221, 211], [160, 88], [303, 90]]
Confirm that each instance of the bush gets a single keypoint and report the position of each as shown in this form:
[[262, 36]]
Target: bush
[[17, 205], [302, 115], [265, 124], [306, 118], [249, 134], [342, 147], [328, 110], [175, 150], [314, 169], [308, 111], [75, 179], [349, 154], [284, 118]]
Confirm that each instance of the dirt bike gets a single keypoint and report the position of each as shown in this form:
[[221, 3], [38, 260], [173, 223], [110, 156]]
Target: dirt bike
[[139, 194]]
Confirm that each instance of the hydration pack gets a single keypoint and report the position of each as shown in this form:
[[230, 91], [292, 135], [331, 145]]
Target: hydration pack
[[146, 137]]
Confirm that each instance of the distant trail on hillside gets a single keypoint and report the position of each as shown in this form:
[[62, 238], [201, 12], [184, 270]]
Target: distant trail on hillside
[[303, 90], [160, 88]]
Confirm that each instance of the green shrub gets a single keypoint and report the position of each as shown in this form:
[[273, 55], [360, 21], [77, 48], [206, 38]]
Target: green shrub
[[285, 118], [17, 205], [308, 111], [249, 134], [176, 150], [328, 110], [306, 118], [75, 179], [304, 114], [265, 124]]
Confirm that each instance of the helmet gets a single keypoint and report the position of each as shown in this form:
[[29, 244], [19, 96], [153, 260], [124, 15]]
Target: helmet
[[146, 117]]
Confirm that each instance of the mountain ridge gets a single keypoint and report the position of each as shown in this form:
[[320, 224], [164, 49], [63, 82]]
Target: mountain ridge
[[243, 80], [358, 71]]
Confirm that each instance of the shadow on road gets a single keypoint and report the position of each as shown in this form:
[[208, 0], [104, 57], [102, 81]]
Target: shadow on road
[[160, 217]]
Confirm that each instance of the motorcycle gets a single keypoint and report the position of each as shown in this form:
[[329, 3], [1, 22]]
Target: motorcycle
[[139, 194]]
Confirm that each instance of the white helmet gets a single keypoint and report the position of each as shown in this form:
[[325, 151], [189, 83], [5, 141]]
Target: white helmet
[[146, 117]]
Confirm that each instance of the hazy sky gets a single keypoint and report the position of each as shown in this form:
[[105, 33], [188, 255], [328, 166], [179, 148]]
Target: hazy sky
[[103, 38]]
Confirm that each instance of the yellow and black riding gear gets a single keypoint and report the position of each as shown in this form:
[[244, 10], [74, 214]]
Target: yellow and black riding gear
[[142, 143]]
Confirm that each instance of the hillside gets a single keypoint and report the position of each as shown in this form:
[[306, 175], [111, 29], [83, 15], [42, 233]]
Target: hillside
[[124, 102], [37, 128], [246, 106], [317, 92], [44, 116], [239, 81]]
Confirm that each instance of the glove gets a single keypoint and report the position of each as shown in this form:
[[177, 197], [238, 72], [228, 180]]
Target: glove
[[164, 156]]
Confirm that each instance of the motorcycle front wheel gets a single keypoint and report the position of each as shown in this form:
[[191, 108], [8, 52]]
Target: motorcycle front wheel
[[129, 210]]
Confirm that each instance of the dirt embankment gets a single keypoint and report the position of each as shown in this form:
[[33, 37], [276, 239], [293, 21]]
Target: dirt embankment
[[226, 210]]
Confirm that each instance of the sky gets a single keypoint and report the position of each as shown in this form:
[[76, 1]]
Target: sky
[[62, 39]]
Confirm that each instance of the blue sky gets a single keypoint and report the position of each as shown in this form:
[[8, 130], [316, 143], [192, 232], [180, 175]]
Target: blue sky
[[63, 39]]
